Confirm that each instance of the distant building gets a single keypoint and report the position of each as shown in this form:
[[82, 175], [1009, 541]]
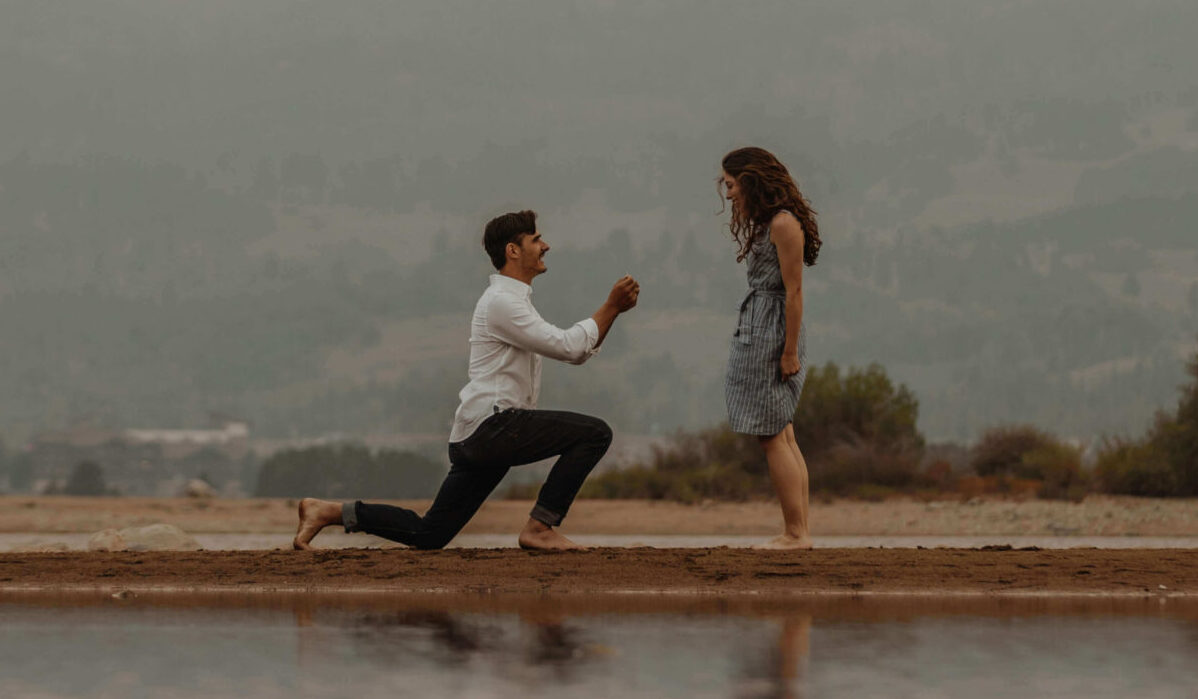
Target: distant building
[[144, 461], [231, 438]]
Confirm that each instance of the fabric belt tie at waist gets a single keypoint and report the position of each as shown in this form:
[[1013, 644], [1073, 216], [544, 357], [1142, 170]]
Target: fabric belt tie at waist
[[744, 325]]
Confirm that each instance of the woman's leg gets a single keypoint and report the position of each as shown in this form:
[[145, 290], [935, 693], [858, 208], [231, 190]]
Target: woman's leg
[[788, 471]]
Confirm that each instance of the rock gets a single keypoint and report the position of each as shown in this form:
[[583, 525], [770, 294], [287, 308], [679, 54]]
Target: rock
[[197, 488], [154, 537], [41, 547], [106, 540]]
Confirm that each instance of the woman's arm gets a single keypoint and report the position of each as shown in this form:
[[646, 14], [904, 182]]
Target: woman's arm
[[787, 235]]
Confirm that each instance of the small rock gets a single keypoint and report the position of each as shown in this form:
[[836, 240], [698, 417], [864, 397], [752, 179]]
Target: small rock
[[1161, 587], [154, 537], [106, 540]]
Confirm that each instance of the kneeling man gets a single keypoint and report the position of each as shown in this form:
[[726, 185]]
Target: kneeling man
[[497, 424]]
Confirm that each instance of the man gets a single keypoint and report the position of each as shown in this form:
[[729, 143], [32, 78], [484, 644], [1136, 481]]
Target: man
[[497, 424]]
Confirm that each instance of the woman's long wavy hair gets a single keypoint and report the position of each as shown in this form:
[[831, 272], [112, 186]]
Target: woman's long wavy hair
[[766, 188]]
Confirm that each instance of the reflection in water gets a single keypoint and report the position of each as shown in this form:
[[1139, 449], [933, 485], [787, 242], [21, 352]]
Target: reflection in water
[[395, 642], [316, 647], [778, 672]]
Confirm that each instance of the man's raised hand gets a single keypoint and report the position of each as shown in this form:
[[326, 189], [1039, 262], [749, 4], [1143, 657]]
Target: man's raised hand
[[624, 293]]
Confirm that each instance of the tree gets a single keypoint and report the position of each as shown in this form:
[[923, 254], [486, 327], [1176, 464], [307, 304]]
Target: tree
[[862, 405], [858, 429], [1177, 435], [87, 478], [1001, 450], [1165, 461]]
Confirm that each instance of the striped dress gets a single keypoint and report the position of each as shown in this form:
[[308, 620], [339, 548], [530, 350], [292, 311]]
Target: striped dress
[[759, 401]]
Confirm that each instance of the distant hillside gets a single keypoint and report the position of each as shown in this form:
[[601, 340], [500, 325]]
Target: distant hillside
[[273, 209]]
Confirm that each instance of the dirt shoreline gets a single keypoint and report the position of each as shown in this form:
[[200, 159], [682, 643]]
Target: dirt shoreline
[[721, 572]]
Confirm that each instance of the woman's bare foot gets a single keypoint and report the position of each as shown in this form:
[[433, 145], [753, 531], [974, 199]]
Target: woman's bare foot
[[314, 515], [542, 537], [784, 542]]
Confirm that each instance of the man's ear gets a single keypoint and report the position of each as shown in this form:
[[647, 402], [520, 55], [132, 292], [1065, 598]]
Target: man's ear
[[512, 250]]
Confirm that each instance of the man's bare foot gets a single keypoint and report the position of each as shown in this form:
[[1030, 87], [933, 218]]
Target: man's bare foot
[[314, 515], [541, 537], [784, 542]]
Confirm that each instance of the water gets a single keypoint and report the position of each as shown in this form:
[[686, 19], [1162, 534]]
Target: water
[[334, 539], [476, 646]]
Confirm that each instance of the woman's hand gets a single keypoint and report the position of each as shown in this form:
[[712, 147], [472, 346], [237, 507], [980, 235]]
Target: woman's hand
[[789, 365]]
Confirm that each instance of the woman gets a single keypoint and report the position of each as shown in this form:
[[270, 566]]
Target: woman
[[776, 230]]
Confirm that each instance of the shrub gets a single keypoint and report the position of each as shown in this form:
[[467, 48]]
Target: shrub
[[857, 433], [716, 464], [87, 478], [1135, 468], [862, 405], [1021, 459], [1058, 468], [1001, 450], [1165, 461]]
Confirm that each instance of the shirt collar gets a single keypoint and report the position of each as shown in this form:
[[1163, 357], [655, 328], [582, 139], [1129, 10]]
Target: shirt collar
[[513, 285]]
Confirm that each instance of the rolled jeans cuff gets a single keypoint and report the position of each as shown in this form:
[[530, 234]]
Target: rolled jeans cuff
[[545, 516], [349, 516]]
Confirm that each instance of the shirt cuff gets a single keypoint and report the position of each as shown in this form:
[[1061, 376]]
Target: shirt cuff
[[592, 330]]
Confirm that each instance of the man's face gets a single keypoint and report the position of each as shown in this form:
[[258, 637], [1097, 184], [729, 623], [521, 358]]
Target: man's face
[[532, 253]]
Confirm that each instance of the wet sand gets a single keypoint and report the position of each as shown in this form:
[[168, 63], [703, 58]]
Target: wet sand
[[719, 572]]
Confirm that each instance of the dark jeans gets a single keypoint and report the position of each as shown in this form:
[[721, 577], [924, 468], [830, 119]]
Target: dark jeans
[[510, 438]]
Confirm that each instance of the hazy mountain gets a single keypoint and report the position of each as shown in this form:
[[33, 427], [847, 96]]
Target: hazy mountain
[[272, 209]]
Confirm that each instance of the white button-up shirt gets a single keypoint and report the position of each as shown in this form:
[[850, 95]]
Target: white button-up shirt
[[507, 340]]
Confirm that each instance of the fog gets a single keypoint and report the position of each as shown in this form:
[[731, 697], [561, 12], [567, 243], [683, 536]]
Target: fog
[[272, 210]]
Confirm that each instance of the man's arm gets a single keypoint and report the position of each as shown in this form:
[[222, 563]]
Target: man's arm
[[622, 298], [517, 323]]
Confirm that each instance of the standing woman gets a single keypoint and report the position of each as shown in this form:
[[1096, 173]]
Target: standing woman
[[777, 234]]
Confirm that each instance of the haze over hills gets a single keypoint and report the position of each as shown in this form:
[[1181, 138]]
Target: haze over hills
[[272, 210]]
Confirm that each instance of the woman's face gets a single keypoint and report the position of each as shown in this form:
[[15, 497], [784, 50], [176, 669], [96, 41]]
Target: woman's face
[[731, 189]]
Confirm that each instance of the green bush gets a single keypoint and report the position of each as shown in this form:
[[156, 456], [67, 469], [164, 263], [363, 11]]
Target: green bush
[[1058, 467], [857, 432], [1135, 468], [857, 429], [1001, 451], [863, 405], [1165, 461], [1030, 458], [87, 478]]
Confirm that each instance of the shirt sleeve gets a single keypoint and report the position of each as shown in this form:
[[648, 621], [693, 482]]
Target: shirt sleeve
[[517, 323]]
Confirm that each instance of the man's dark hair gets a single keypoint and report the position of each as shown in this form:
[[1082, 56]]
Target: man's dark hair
[[505, 229]]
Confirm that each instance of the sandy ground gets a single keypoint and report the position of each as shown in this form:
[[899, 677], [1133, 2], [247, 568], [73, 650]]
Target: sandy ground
[[723, 572], [1095, 516]]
